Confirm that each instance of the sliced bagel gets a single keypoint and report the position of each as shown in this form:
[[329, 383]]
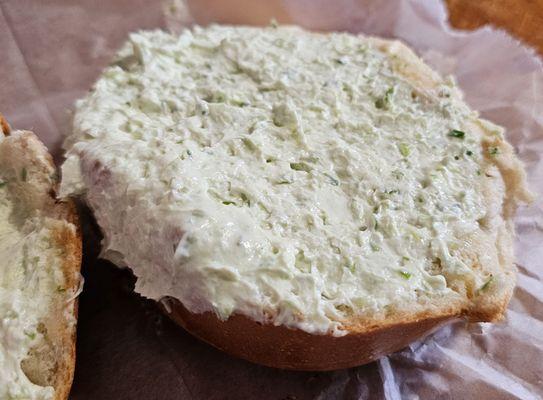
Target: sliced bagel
[[40, 248], [310, 201]]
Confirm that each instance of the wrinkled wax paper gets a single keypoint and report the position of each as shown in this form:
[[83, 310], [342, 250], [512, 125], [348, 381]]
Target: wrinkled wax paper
[[52, 51]]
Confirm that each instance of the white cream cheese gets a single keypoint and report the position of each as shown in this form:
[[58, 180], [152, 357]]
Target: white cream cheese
[[26, 284], [288, 176]]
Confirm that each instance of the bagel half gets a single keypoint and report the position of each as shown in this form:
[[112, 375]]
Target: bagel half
[[301, 200]]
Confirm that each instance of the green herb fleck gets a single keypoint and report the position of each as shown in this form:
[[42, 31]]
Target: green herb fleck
[[469, 153], [245, 199], [340, 61], [457, 134], [227, 203], [405, 274], [457, 158], [397, 174], [404, 149], [24, 174], [2, 184], [405, 258], [241, 103], [300, 167], [30, 335], [60, 289], [384, 102], [333, 180], [374, 247], [486, 284], [478, 172], [493, 151]]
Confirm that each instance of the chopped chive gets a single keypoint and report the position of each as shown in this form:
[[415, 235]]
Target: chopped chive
[[456, 134], [397, 174], [405, 258], [30, 335], [60, 289], [469, 153], [23, 174], [245, 199], [2, 184], [486, 284], [333, 180], [300, 167], [249, 144], [405, 274], [374, 247], [456, 158], [384, 101], [404, 149], [340, 61], [227, 203]]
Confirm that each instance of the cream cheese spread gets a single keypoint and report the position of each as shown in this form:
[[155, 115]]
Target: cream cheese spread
[[27, 280], [292, 177]]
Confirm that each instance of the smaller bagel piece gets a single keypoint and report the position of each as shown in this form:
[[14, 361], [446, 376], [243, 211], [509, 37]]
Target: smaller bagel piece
[[40, 276]]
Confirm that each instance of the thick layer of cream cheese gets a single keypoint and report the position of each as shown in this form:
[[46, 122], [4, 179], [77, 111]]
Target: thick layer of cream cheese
[[26, 283], [288, 176]]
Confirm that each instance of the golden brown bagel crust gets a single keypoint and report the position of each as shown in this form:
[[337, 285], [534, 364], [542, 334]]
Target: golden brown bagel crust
[[281, 347], [72, 244]]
